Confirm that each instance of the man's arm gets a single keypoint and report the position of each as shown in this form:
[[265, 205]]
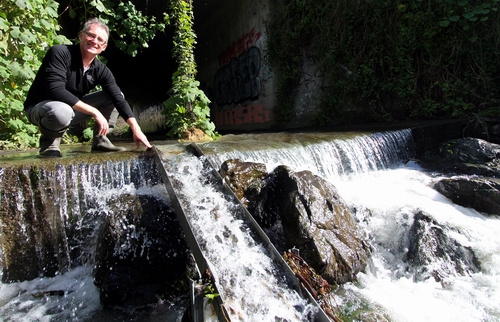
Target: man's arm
[[139, 136], [95, 113]]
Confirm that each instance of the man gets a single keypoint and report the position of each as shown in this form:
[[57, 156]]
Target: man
[[59, 96]]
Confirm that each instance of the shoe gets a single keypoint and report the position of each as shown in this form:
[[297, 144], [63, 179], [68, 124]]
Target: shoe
[[49, 147], [103, 144]]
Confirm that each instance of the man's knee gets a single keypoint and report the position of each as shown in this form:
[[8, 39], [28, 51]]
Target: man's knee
[[54, 115]]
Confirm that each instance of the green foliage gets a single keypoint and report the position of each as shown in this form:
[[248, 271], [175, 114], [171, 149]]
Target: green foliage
[[188, 106], [210, 292], [385, 60], [129, 28], [27, 29]]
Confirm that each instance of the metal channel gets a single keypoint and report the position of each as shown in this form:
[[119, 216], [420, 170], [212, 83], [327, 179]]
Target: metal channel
[[201, 262], [250, 221]]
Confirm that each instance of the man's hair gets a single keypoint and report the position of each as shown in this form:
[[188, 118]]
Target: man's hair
[[98, 22]]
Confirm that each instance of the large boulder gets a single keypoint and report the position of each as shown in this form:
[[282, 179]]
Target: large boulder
[[472, 170], [481, 194], [465, 156], [141, 257], [311, 217]]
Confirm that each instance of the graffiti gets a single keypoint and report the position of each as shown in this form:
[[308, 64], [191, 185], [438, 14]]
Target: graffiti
[[239, 47], [238, 81], [242, 115]]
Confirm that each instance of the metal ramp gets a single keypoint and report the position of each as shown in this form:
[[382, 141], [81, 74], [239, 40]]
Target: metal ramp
[[165, 157]]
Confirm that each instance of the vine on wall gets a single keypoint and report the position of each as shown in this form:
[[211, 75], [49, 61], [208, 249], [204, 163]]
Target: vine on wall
[[187, 108], [387, 60]]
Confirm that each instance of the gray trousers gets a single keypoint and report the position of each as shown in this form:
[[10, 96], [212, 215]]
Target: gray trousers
[[55, 116]]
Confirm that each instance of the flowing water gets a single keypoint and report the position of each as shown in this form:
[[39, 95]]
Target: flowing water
[[239, 262], [374, 174], [79, 197]]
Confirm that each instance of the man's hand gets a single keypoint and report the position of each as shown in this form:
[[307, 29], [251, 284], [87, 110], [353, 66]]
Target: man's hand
[[96, 114], [139, 136], [102, 122]]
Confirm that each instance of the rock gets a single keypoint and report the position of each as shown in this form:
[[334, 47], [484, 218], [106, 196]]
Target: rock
[[481, 194], [315, 220], [465, 156], [434, 253], [194, 135], [141, 256], [301, 210], [478, 164], [244, 178]]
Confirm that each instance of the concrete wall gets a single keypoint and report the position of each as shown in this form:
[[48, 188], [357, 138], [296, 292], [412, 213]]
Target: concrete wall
[[232, 66]]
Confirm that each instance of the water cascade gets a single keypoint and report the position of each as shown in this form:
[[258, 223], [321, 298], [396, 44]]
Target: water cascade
[[240, 262], [53, 218], [388, 192], [375, 173]]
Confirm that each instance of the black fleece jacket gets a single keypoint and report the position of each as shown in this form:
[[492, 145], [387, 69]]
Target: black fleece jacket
[[61, 78]]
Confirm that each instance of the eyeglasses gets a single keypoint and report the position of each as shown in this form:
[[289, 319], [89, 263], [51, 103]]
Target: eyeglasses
[[91, 36]]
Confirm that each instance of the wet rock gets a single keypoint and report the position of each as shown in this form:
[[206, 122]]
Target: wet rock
[[465, 156], [244, 178], [141, 257], [478, 164], [434, 253], [481, 194], [315, 220]]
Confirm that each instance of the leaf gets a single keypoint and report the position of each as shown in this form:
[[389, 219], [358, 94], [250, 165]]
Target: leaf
[[468, 15], [444, 23], [463, 3], [15, 32], [478, 10]]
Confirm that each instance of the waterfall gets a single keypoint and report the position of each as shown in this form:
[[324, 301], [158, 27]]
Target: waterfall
[[251, 285], [327, 158], [375, 173], [50, 223], [386, 189]]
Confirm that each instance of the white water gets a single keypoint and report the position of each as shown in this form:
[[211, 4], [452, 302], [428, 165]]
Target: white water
[[386, 193], [250, 284], [392, 196], [71, 295], [371, 178]]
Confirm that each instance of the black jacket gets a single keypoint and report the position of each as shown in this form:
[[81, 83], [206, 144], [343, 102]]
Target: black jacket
[[61, 78]]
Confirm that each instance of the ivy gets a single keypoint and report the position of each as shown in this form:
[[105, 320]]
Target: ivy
[[188, 106], [27, 29], [130, 29], [385, 60]]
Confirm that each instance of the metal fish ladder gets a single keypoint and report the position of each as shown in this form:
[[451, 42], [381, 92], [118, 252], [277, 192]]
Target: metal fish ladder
[[162, 155]]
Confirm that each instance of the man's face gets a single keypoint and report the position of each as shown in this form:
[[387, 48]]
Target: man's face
[[94, 40]]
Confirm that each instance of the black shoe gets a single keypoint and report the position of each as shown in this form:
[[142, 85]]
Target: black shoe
[[49, 147], [103, 144]]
